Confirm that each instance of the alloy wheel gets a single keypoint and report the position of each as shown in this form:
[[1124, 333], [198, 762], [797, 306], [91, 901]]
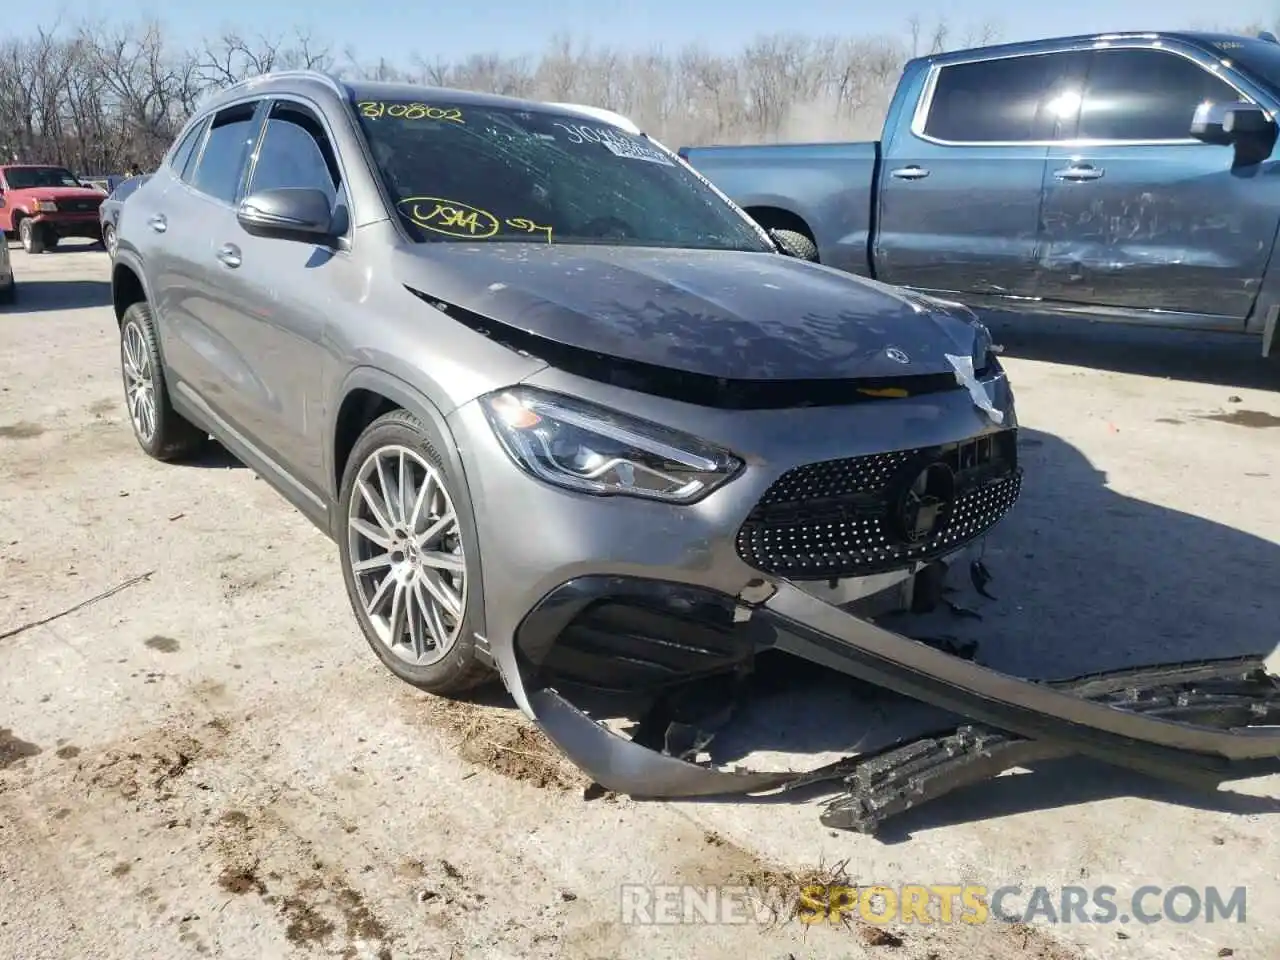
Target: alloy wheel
[[140, 390], [406, 555]]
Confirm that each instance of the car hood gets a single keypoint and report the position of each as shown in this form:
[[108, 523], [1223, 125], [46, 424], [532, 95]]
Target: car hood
[[734, 315]]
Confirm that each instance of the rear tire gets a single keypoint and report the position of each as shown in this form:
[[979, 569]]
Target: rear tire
[[795, 244], [396, 581], [109, 240], [161, 432]]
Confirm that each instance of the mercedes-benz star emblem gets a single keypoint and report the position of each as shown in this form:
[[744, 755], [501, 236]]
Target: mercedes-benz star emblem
[[923, 505], [893, 353]]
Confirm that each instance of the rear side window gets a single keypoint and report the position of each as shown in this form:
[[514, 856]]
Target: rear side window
[[182, 155], [222, 162], [1146, 95], [1000, 101]]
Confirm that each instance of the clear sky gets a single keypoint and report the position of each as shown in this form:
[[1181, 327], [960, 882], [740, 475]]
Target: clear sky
[[397, 28]]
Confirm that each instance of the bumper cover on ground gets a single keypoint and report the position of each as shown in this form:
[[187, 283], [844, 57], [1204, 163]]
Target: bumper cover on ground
[[1197, 724]]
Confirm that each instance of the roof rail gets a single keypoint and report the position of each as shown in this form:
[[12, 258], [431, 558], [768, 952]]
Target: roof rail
[[1268, 36], [320, 76]]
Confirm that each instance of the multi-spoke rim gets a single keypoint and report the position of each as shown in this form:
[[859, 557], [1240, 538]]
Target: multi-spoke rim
[[406, 555], [109, 236], [140, 391]]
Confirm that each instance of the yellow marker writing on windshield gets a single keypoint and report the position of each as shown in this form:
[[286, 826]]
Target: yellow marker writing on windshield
[[450, 217], [528, 226], [376, 110]]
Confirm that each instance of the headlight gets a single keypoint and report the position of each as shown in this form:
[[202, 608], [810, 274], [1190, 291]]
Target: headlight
[[45, 206], [594, 450]]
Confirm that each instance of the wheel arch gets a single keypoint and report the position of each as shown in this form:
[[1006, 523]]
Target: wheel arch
[[779, 218], [368, 393], [128, 286]]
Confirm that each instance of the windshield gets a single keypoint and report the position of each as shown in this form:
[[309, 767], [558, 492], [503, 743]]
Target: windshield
[[496, 174], [24, 178], [1261, 58]]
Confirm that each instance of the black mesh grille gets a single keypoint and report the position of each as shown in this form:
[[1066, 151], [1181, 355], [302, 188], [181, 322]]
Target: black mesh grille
[[846, 518]]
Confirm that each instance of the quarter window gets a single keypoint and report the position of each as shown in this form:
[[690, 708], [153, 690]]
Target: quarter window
[[1007, 100], [181, 159], [222, 162], [1146, 95]]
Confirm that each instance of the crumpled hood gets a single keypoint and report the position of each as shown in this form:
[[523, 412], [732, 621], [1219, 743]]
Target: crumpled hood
[[739, 316]]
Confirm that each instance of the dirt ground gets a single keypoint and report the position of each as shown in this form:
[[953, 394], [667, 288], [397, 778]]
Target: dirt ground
[[199, 756]]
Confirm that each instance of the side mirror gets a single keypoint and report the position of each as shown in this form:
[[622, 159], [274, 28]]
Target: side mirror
[[289, 213], [1226, 124]]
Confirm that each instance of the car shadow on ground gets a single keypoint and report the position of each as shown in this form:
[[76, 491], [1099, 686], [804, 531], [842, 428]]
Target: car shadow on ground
[[214, 456], [1086, 580], [43, 296], [1217, 359]]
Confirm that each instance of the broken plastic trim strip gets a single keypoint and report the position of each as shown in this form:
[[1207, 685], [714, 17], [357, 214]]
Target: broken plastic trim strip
[[968, 378], [1182, 752]]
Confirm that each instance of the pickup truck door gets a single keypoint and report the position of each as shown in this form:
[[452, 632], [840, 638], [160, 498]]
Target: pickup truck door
[[1137, 214], [961, 180]]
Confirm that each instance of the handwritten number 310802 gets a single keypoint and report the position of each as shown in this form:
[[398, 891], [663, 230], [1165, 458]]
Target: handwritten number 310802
[[375, 110]]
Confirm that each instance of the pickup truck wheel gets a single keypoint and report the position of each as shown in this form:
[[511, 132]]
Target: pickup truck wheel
[[161, 431], [403, 557], [795, 244], [31, 237]]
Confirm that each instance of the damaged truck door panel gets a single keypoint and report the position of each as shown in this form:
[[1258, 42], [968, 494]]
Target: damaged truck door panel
[[1124, 177]]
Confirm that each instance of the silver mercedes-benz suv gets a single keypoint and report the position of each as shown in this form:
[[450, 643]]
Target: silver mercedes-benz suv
[[566, 410]]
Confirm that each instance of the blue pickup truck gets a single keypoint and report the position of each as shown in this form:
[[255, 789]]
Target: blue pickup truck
[[1130, 177]]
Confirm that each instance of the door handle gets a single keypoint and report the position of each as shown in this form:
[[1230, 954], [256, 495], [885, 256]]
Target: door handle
[[1079, 171], [158, 223], [912, 172], [229, 254]]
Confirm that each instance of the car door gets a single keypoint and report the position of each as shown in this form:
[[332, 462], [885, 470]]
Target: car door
[[200, 309], [960, 191], [1138, 215], [285, 291]]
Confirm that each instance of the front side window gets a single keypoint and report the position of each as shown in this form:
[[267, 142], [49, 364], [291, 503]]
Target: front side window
[[24, 178], [222, 162], [464, 172], [1006, 100], [1146, 95], [295, 152]]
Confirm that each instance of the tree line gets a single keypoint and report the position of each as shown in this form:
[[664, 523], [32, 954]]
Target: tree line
[[97, 97]]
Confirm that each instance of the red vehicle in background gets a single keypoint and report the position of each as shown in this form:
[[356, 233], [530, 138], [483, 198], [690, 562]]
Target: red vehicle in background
[[43, 204]]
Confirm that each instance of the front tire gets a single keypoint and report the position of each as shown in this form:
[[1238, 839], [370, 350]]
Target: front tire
[[161, 431], [404, 559], [31, 236]]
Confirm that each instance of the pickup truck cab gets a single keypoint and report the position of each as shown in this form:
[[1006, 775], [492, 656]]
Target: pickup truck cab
[[1129, 177], [45, 203]]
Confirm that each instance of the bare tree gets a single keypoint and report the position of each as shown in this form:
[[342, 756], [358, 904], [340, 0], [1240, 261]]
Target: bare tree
[[96, 97]]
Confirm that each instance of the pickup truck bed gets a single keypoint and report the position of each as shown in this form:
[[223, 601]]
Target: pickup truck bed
[[1126, 177]]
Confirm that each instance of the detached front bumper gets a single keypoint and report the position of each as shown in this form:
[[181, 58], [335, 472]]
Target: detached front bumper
[[1197, 724]]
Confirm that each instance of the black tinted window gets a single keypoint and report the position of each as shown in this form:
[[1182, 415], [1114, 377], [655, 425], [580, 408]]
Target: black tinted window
[[999, 100], [295, 153], [225, 151], [122, 191], [182, 155], [1146, 95]]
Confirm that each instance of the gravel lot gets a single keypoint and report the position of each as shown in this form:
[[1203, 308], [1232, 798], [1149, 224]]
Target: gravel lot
[[209, 761]]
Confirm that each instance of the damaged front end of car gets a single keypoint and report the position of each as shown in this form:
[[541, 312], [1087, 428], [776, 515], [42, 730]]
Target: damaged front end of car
[[1197, 724]]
